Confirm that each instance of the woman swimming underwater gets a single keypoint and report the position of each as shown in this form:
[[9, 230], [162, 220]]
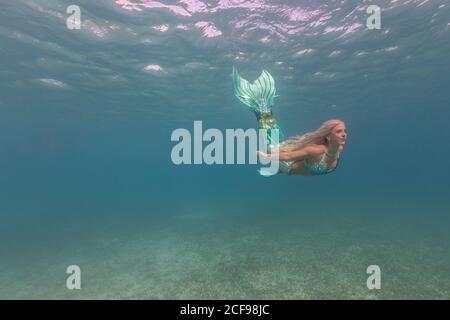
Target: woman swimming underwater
[[311, 154]]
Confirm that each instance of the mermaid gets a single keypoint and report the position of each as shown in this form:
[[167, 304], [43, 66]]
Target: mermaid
[[310, 154]]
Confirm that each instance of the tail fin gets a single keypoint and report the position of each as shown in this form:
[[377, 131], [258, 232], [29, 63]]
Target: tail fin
[[258, 95]]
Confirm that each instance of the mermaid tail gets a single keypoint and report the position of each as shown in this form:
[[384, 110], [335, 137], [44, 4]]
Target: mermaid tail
[[258, 96]]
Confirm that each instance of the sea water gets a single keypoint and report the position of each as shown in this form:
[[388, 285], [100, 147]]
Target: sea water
[[88, 186]]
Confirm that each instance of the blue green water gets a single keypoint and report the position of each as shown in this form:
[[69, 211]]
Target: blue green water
[[86, 176]]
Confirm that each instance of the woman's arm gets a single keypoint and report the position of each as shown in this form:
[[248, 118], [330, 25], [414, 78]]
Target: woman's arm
[[293, 155]]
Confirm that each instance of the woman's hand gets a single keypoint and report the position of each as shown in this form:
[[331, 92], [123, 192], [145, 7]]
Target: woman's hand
[[266, 155]]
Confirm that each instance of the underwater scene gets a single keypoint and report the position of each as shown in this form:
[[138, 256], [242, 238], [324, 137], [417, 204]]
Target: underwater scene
[[98, 201]]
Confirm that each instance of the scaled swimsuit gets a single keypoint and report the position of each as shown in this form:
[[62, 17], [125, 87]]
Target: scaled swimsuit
[[316, 169]]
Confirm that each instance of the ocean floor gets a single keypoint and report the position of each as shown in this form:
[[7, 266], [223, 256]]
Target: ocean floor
[[228, 254]]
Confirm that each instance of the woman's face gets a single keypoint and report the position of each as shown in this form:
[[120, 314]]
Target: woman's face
[[338, 134]]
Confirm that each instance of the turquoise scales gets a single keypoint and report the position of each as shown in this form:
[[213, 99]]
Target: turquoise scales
[[258, 96]]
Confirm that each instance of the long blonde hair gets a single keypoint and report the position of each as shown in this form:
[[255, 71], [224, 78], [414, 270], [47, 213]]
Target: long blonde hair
[[316, 137]]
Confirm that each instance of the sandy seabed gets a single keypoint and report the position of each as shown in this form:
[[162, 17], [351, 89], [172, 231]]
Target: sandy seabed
[[207, 255]]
